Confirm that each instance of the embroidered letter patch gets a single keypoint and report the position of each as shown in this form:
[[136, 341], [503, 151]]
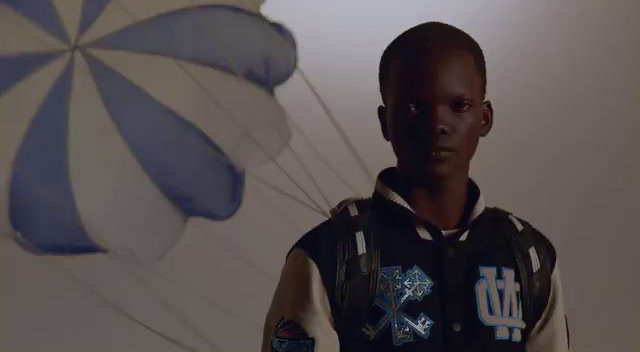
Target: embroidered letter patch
[[499, 303], [395, 290]]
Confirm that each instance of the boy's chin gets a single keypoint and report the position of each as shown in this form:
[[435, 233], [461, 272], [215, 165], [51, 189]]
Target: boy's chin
[[431, 174]]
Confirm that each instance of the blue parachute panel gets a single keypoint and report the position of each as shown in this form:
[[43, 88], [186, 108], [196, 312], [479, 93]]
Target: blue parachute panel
[[16, 68], [41, 203], [43, 13], [224, 37], [187, 167]]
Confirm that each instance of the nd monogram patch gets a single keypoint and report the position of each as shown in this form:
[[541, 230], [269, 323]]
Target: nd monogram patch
[[500, 303], [394, 290]]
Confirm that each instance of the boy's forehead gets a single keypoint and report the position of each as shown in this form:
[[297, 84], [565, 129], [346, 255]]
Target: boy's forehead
[[431, 59], [437, 64]]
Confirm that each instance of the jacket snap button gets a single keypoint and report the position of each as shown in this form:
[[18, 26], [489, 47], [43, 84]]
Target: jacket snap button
[[451, 252]]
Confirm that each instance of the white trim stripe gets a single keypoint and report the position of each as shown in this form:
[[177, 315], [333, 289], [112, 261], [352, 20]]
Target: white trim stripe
[[423, 233], [464, 236], [449, 232], [353, 210], [392, 196], [360, 243], [516, 222], [535, 260]]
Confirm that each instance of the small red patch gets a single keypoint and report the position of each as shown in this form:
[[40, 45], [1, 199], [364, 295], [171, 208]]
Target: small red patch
[[289, 336], [288, 329]]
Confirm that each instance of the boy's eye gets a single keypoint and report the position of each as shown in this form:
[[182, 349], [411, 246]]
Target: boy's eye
[[412, 109], [461, 105]]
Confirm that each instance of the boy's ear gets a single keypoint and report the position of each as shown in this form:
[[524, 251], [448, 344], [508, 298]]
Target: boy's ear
[[382, 118], [487, 118]]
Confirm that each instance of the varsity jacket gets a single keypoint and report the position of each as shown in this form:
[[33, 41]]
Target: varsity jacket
[[402, 284]]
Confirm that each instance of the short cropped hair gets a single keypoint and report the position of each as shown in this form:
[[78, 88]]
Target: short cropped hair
[[430, 35]]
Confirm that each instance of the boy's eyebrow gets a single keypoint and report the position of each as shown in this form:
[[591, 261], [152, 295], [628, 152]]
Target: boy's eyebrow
[[411, 96], [460, 95]]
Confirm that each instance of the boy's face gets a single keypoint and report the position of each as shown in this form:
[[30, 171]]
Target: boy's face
[[435, 114]]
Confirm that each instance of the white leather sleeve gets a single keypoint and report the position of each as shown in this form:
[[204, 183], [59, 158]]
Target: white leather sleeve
[[301, 297], [551, 333]]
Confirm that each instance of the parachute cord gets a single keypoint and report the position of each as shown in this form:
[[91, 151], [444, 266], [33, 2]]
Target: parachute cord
[[280, 167], [323, 159], [185, 288], [337, 126], [293, 180], [196, 293], [115, 307], [286, 194], [126, 262], [313, 179], [285, 215], [239, 257]]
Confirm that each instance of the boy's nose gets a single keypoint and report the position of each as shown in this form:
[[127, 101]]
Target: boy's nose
[[436, 119], [442, 129]]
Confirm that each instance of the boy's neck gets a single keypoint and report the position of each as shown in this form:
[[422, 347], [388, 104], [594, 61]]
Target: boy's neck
[[442, 204]]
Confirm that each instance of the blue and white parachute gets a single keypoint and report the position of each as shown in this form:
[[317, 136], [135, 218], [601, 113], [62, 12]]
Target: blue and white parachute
[[118, 123], [126, 125]]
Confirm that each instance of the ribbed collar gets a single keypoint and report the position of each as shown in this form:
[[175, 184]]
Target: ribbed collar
[[387, 185]]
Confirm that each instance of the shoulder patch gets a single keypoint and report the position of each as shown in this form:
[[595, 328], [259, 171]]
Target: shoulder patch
[[289, 336]]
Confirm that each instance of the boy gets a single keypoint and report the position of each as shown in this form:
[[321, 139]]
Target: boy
[[423, 265]]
